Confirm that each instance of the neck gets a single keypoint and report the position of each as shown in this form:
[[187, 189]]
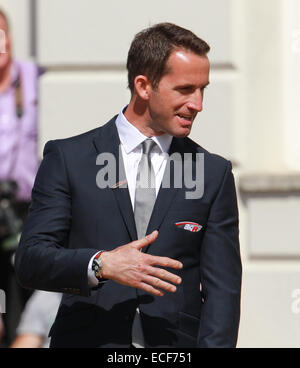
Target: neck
[[137, 114]]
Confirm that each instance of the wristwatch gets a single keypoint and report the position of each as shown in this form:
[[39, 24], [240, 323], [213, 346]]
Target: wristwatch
[[97, 266]]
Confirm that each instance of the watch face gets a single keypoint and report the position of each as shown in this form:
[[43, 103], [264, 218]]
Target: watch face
[[96, 267]]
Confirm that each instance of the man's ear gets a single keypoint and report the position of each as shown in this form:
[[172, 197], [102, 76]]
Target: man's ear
[[142, 86]]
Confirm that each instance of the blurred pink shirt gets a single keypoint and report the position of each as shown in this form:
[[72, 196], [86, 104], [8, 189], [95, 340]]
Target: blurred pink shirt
[[18, 136]]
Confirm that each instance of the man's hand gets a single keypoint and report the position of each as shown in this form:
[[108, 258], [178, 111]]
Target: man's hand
[[127, 265]]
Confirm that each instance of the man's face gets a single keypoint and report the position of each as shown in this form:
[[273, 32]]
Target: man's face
[[5, 56], [174, 104]]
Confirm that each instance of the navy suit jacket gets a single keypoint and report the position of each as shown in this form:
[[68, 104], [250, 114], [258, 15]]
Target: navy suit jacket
[[71, 218]]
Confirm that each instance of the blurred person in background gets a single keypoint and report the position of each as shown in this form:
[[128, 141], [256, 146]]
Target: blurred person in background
[[36, 320], [18, 165]]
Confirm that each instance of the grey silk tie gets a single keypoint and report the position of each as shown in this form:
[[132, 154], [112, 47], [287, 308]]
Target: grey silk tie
[[145, 196], [145, 190]]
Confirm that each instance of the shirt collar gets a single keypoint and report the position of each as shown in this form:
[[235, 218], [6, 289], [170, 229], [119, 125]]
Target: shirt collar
[[131, 137]]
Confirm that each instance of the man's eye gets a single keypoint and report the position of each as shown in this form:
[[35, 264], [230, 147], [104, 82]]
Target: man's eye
[[186, 89]]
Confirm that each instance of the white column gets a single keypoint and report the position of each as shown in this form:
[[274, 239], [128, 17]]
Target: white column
[[291, 93]]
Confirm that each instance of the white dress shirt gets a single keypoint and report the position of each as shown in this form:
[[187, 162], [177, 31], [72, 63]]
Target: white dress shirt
[[131, 147]]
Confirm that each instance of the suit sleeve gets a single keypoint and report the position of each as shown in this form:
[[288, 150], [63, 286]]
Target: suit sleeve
[[44, 258], [221, 270]]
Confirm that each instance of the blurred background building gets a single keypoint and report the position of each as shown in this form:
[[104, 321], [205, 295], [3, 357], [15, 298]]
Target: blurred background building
[[251, 116]]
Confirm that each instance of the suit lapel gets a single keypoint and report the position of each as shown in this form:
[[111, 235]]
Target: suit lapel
[[108, 142]]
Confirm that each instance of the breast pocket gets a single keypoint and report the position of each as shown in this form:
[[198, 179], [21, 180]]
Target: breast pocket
[[185, 227], [189, 216]]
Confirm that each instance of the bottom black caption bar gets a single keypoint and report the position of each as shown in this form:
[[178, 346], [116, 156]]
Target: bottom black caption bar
[[145, 357], [111, 358]]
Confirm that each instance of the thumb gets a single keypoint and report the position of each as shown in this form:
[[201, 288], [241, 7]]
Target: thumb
[[148, 239]]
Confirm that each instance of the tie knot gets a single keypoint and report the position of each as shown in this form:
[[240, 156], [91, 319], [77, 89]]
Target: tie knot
[[148, 145]]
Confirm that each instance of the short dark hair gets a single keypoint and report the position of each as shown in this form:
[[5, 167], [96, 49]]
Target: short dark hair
[[151, 48]]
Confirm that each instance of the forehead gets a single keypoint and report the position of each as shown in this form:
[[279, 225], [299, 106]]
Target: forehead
[[187, 66]]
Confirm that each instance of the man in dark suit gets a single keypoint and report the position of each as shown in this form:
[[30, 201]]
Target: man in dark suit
[[179, 286]]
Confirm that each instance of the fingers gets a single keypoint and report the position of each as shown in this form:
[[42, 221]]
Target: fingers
[[155, 286], [150, 289], [148, 239], [161, 274], [152, 280], [165, 262], [159, 284], [160, 261]]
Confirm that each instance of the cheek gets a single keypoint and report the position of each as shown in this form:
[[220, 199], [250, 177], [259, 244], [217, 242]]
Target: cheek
[[4, 60], [158, 105], [166, 104]]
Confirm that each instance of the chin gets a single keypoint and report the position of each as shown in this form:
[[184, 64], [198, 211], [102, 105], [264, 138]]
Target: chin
[[182, 133]]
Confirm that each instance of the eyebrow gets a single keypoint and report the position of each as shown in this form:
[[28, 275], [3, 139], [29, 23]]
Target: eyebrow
[[192, 86]]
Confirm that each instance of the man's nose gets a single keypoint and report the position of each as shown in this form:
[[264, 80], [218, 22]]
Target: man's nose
[[196, 101]]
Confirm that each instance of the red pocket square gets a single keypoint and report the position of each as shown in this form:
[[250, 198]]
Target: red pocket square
[[189, 226]]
